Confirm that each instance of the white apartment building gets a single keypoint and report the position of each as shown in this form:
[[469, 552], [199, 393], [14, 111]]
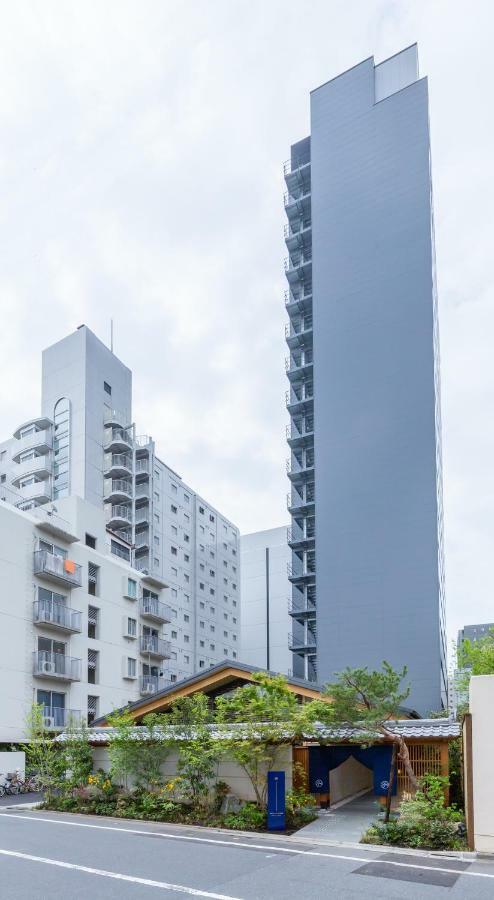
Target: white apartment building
[[127, 515], [266, 627]]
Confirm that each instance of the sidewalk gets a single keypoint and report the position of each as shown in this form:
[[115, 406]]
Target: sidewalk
[[345, 824]]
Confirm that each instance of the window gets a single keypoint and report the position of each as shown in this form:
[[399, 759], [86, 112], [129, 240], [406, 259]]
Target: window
[[201, 510], [186, 557], [202, 528], [186, 517], [3, 479], [202, 604], [234, 568], [225, 651], [61, 448], [186, 598], [201, 585], [90, 541], [234, 654], [92, 579], [186, 639], [173, 550], [212, 646], [212, 573], [234, 620], [92, 709], [92, 666], [234, 586], [225, 634], [173, 611], [201, 566], [211, 553], [234, 636], [225, 615], [186, 538], [120, 550], [212, 610], [211, 517], [225, 563], [131, 589], [234, 602], [174, 592], [174, 635], [174, 571], [173, 678], [201, 663], [174, 509], [131, 628], [107, 387], [186, 498], [92, 622], [173, 487], [156, 540], [234, 552], [201, 644], [212, 628], [186, 617], [201, 548], [186, 658], [174, 529], [201, 624], [186, 578], [131, 667], [156, 562]]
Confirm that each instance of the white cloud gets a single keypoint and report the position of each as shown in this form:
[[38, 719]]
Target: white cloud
[[141, 155]]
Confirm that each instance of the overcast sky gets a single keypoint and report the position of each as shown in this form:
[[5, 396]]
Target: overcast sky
[[141, 171]]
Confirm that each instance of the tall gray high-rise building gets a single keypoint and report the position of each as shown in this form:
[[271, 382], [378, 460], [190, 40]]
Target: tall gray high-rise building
[[367, 566]]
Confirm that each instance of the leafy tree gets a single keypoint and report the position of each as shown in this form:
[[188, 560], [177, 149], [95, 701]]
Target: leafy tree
[[77, 754], [137, 760], [477, 656], [266, 717], [364, 701], [197, 751], [123, 748], [44, 756]]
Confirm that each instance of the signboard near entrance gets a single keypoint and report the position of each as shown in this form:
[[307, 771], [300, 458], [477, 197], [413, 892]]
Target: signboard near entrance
[[276, 801]]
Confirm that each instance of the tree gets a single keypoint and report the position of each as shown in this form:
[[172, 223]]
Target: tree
[[44, 756], [77, 754], [477, 656], [364, 701], [136, 757], [197, 750], [257, 720]]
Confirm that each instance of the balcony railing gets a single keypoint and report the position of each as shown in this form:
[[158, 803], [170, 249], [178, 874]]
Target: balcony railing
[[301, 571], [116, 438], [57, 568], [115, 462], [153, 609], [56, 665], [289, 198], [290, 230], [151, 684], [155, 646], [302, 644], [301, 259], [115, 417], [56, 718], [119, 513], [56, 615], [292, 165], [118, 487], [142, 515]]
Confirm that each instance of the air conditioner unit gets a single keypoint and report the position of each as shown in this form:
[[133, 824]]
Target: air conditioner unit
[[48, 722], [148, 689], [48, 667]]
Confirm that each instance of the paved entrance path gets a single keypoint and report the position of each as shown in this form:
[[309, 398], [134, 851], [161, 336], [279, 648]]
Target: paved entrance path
[[346, 823]]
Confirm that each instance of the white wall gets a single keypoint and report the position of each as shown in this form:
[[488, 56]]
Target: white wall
[[254, 583], [481, 708], [10, 762], [348, 779], [227, 770]]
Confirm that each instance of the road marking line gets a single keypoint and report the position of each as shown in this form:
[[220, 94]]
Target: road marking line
[[164, 885], [235, 842]]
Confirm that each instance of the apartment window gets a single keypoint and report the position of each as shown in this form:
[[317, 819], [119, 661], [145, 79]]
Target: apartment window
[[131, 628], [186, 498], [212, 628], [156, 540], [212, 646], [174, 529], [92, 579], [186, 538], [186, 598], [107, 388], [186, 617], [173, 550], [131, 589], [234, 620], [225, 563], [174, 571], [234, 654], [234, 636], [186, 578], [212, 591], [186, 517], [3, 479], [173, 487], [225, 651], [173, 611], [174, 635], [225, 530], [201, 624], [211, 535], [212, 573], [201, 566], [202, 604], [225, 598], [225, 615], [201, 585], [225, 546], [174, 592], [92, 666], [119, 550], [201, 548], [225, 581], [186, 658], [211, 517], [234, 586], [234, 552], [173, 678], [201, 663], [186, 639], [92, 622], [202, 644], [201, 510], [186, 557], [211, 553], [225, 634], [234, 602], [174, 509], [234, 568], [131, 667], [90, 541], [202, 528], [212, 610], [92, 709]]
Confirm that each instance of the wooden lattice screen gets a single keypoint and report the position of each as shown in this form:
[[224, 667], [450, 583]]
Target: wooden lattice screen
[[426, 759]]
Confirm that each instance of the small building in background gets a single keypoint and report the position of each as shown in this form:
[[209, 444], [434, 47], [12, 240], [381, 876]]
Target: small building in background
[[265, 592]]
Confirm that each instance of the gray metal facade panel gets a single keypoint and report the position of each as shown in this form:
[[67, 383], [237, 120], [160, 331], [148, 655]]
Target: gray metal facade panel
[[375, 436]]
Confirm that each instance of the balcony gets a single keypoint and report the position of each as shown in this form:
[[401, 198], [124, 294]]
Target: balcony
[[299, 300], [298, 266], [40, 466], [142, 468], [56, 665], [118, 516], [116, 418], [298, 471], [153, 609], [297, 204], [150, 645], [300, 435], [299, 366], [301, 610], [37, 492], [142, 540], [301, 502], [301, 399], [142, 515], [299, 334], [301, 538], [301, 573], [118, 440], [40, 438], [56, 568], [117, 465], [118, 489], [151, 684], [142, 490], [53, 614], [56, 718], [302, 643]]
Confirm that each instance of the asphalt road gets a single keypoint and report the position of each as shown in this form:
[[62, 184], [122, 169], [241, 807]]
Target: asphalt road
[[45, 855]]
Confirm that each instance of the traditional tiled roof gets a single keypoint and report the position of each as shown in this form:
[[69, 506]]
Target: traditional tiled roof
[[420, 729]]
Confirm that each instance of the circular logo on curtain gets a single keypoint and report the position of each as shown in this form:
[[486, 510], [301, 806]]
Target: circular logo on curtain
[[385, 785], [319, 782]]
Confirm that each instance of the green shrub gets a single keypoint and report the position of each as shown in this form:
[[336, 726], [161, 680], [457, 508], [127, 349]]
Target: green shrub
[[248, 818]]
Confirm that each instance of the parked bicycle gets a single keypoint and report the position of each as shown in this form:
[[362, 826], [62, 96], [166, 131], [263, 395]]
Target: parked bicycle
[[11, 783]]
